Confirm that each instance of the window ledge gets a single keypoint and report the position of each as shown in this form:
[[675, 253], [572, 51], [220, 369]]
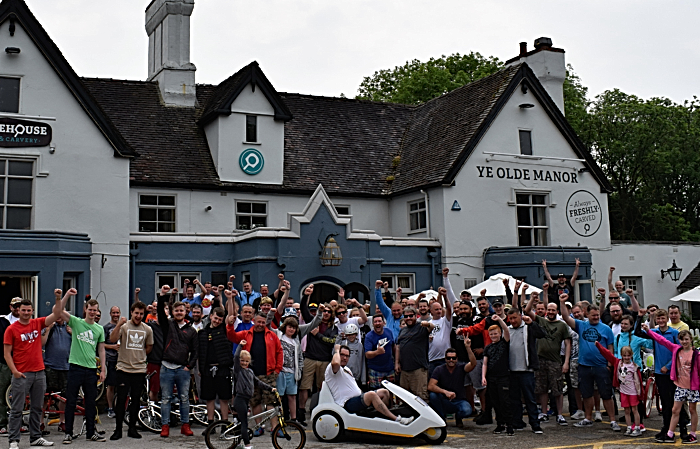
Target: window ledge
[[417, 231], [251, 143]]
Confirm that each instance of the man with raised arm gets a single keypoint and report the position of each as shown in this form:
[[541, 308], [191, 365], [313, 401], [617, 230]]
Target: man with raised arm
[[392, 313], [23, 356], [562, 285], [619, 286], [87, 339], [135, 343]]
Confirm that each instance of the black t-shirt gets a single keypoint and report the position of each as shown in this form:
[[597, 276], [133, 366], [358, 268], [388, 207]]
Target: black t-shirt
[[258, 354], [498, 359], [457, 341], [557, 290], [453, 381], [413, 347]]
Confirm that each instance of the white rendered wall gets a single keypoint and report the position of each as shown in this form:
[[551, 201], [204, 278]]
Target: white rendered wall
[[83, 187]]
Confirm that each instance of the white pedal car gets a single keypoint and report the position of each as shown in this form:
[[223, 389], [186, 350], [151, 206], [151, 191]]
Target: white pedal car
[[329, 420]]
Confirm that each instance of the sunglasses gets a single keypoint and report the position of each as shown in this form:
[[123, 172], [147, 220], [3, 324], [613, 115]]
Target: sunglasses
[[263, 285], [342, 312], [450, 358], [409, 316]]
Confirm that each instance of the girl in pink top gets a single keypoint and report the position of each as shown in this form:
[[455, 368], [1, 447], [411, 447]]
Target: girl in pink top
[[685, 373]]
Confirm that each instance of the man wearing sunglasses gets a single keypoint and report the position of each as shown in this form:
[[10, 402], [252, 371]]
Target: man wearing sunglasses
[[446, 386], [412, 354]]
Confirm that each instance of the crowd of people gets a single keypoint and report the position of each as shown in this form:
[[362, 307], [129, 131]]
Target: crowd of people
[[507, 355]]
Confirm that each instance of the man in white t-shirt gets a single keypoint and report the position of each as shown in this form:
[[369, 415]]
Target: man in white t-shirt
[[342, 320], [348, 395], [440, 335]]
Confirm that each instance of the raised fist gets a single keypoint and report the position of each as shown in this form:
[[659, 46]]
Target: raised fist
[[280, 276], [495, 317], [186, 283], [612, 269], [288, 285], [232, 277], [72, 292], [137, 290], [196, 282], [234, 292], [545, 286], [527, 319], [166, 288], [563, 297], [483, 292], [243, 343], [228, 294], [442, 290], [525, 287], [122, 320], [58, 292], [629, 291], [379, 284], [386, 285], [445, 272], [601, 291], [321, 308]]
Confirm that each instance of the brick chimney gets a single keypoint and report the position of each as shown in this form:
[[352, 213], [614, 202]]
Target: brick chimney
[[168, 28], [548, 64]]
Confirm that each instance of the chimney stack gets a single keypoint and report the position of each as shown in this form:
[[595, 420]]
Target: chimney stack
[[549, 66], [168, 28]]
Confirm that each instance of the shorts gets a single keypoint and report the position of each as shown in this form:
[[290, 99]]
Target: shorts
[[111, 379], [356, 404], [683, 394], [475, 376], [56, 380], [286, 384], [154, 381], [588, 375], [628, 400], [375, 378], [549, 378], [573, 373], [216, 386], [416, 381], [313, 368], [261, 396]]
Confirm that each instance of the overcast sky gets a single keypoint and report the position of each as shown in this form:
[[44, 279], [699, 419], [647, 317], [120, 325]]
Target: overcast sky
[[322, 47]]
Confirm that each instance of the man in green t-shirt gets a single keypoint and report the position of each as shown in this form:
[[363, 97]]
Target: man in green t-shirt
[[88, 338], [549, 376]]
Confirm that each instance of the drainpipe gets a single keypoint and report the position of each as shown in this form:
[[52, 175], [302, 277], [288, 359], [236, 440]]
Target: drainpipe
[[132, 255], [427, 211], [432, 254]]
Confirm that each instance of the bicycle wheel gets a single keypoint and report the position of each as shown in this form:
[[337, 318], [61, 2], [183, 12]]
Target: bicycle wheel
[[100, 391], [149, 418], [222, 435], [293, 436], [649, 396], [658, 400], [8, 398], [199, 414]]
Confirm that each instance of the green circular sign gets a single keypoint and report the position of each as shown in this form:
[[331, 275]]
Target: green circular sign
[[251, 161]]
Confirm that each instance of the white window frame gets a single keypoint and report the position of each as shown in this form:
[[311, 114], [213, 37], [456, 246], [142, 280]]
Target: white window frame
[[157, 207], [251, 213], [180, 277], [418, 211], [411, 290], [545, 206], [19, 99], [6, 176]]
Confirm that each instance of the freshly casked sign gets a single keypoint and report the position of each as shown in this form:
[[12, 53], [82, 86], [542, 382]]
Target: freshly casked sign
[[251, 161], [584, 214], [23, 133]]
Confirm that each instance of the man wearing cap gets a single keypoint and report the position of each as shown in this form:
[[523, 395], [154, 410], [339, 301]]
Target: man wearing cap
[[563, 286]]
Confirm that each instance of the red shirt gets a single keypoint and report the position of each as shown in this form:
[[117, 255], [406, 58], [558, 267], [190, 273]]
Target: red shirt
[[26, 345]]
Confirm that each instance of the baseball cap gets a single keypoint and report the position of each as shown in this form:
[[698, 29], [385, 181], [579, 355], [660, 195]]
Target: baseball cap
[[465, 292], [313, 306], [290, 311], [498, 302], [15, 300], [561, 275], [568, 304]]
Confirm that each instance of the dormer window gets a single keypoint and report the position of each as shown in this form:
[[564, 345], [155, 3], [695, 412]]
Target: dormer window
[[9, 94], [251, 128]]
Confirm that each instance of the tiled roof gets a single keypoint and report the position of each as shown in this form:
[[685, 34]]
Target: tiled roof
[[690, 281]]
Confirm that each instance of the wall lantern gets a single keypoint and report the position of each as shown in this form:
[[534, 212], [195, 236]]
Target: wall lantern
[[330, 254], [674, 272]]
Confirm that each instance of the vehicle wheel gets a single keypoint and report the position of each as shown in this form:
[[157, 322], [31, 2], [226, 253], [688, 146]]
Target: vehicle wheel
[[150, 419], [435, 435], [222, 435], [658, 399], [199, 414], [294, 436], [328, 426], [649, 396], [8, 398]]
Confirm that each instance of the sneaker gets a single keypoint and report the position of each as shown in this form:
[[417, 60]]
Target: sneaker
[[165, 431], [543, 417], [41, 442], [110, 413], [597, 417], [14, 444], [499, 430], [537, 430], [642, 428], [3, 432], [615, 426], [628, 432], [483, 420], [636, 433], [580, 414], [259, 432], [62, 427], [459, 423], [690, 439], [405, 421], [562, 421], [666, 439], [583, 423], [67, 439], [97, 438], [509, 431], [185, 430]]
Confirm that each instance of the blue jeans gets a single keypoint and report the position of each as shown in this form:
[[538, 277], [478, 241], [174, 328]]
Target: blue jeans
[[180, 378], [522, 385], [443, 406]]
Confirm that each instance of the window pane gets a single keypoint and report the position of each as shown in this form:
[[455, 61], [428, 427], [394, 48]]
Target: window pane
[[389, 280], [147, 214], [251, 128], [2, 191], [414, 222], [166, 214], [259, 208], [421, 205], [259, 222], [166, 280], [522, 199], [166, 200], [539, 217], [243, 208], [404, 281], [421, 216], [2, 222], [243, 222], [20, 168], [525, 142], [19, 191], [19, 217], [538, 199], [540, 237], [150, 200], [523, 216], [413, 206], [2, 166], [524, 238], [9, 94], [146, 226], [166, 227]]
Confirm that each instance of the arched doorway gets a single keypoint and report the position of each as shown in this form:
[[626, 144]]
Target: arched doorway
[[358, 291], [324, 291]]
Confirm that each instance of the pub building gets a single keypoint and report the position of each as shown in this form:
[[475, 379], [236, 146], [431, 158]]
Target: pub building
[[107, 185]]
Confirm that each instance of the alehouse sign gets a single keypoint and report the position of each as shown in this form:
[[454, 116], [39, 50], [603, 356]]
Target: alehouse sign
[[23, 133], [583, 213]]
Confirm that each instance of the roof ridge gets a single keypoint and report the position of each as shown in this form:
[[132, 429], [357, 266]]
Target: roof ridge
[[356, 100], [119, 80]]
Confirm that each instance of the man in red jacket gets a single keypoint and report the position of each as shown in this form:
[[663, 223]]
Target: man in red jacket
[[266, 356]]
